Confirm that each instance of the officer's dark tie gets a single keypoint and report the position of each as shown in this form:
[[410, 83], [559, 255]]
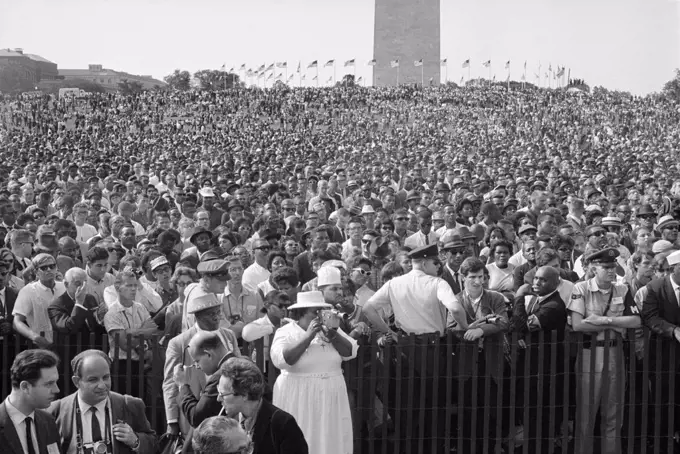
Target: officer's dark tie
[[427, 239], [96, 428], [29, 436]]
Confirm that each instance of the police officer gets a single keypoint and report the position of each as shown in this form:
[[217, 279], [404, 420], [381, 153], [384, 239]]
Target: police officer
[[420, 301], [605, 310]]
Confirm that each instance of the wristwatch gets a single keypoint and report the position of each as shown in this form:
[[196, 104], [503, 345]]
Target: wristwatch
[[135, 447], [609, 320]]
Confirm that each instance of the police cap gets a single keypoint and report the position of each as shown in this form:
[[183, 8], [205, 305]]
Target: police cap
[[424, 252], [603, 257]]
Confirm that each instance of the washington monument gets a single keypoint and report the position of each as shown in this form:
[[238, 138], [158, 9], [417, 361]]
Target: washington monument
[[406, 30]]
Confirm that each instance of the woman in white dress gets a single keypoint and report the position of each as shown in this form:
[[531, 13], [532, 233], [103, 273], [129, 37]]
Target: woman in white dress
[[310, 351]]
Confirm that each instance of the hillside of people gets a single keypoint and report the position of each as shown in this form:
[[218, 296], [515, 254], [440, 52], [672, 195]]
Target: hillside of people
[[415, 269]]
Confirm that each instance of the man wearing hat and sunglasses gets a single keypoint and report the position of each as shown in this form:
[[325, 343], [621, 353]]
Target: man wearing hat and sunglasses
[[603, 310]]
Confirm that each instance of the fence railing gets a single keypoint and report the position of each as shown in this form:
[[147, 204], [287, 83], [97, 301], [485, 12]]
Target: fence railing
[[537, 393]]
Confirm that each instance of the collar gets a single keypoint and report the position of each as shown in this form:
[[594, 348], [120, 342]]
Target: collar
[[16, 415], [117, 307], [474, 300], [540, 299], [45, 288], [85, 407], [592, 286], [97, 282], [244, 291], [676, 287]]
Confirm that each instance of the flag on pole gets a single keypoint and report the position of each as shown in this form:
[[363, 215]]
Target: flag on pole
[[560, 72], [394, 63], [550, 67], [507, 65], [299, 63], [349, 63], [232, 69], [443, 62], [525, 65], [242, 67], [371, 62], [260, 75], [270, 67], [314, 78], [486, 64], [524, 77], [303, 77], [270, 76], [282, 65], [494, 78], [290, 77], [418, 62], [461, 80], [313, 64], [224, 66], [466, 63], [260, 69], [329, 63], [330, 79], [360, 79], [280, 76]]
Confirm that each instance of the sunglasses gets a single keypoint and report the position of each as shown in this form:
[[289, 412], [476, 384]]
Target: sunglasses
[[362, 271], [647, 216], [402, 219], [263, 248], [47, 267]]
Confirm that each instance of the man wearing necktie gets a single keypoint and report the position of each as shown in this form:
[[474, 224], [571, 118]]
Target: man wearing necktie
[[7, 298], [25, 427], [544, 310], [455, 252], [94, 419]]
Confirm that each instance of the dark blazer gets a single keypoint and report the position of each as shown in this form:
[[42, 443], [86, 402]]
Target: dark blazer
[[127, 408], [451, 280], [277, 432], [303, 265], [197, 410], [45, 429], [67, 318], [661, 314]]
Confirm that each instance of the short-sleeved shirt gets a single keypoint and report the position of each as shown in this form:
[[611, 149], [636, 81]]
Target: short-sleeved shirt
[[419, 302], [33, 301], [123, 318], [96, 288], [587, 299]]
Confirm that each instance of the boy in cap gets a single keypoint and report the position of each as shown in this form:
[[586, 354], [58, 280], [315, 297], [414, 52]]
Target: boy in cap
[[600, 307]]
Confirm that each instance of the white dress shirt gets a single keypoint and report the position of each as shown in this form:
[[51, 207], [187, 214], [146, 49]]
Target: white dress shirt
[[86, 419], [253, 275], [19, 421]]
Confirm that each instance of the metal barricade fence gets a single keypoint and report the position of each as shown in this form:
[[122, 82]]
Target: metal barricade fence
[[430, 394]]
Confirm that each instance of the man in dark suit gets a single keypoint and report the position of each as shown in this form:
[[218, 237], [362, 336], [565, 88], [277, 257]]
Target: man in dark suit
[[240, 391], [8, 337], [543, 311], [208, 353], [303, 262], [76, 314], [661, 314], [95, 415], [25, 428], [456, 252]]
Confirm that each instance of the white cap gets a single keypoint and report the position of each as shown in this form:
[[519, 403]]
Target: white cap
[[367, 209], [310, 299], [328, 275], [206, 192], [674, 258]]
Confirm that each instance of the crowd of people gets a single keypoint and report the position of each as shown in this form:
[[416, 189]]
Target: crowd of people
[[319, 222]]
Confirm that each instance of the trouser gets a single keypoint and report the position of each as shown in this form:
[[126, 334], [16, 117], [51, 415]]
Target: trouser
[[600, 384], [411, 397]]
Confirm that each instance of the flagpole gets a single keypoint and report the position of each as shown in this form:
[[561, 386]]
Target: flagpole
[[469, 75], [317, 74], [398, 63], [422, 75], [569, 76], [539, 74], [333, 72]]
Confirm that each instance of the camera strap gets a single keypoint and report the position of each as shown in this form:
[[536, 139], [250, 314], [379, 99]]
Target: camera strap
[[79, 428]]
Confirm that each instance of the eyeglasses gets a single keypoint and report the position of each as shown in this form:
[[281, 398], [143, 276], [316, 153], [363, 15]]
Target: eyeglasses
[[456, 251], [220, 276], [283, 307], [47, 267], [362, 271], [401, 219], [263, 248]]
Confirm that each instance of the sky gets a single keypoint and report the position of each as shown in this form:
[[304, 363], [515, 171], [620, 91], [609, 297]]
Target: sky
[[631, 45]]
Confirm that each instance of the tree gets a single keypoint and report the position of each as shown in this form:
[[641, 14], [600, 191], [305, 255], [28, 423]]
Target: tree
[[14, 80], [671, 89], [179, 80], [211, 79], [127, 87], [346, 81]]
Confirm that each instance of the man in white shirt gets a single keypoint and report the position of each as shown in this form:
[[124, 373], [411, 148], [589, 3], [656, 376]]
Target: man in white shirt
[[30, 310], [257, 272], [424, 236]]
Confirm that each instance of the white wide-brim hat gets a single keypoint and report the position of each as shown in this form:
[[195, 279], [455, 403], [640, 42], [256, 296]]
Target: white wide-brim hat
[[310, 299]]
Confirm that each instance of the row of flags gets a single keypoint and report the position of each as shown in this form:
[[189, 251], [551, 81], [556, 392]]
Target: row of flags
[[393, 64]]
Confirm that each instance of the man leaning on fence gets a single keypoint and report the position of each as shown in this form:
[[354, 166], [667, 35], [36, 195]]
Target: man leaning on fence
[[95, 418], [603, 309], [661, 313], [207, 310], [420, 301]]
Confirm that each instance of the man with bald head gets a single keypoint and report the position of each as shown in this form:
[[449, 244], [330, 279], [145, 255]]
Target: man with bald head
[[208, 353], [534, 318], [96, 416]]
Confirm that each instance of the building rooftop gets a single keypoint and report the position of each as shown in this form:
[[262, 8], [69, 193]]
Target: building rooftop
[[38, 58]]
